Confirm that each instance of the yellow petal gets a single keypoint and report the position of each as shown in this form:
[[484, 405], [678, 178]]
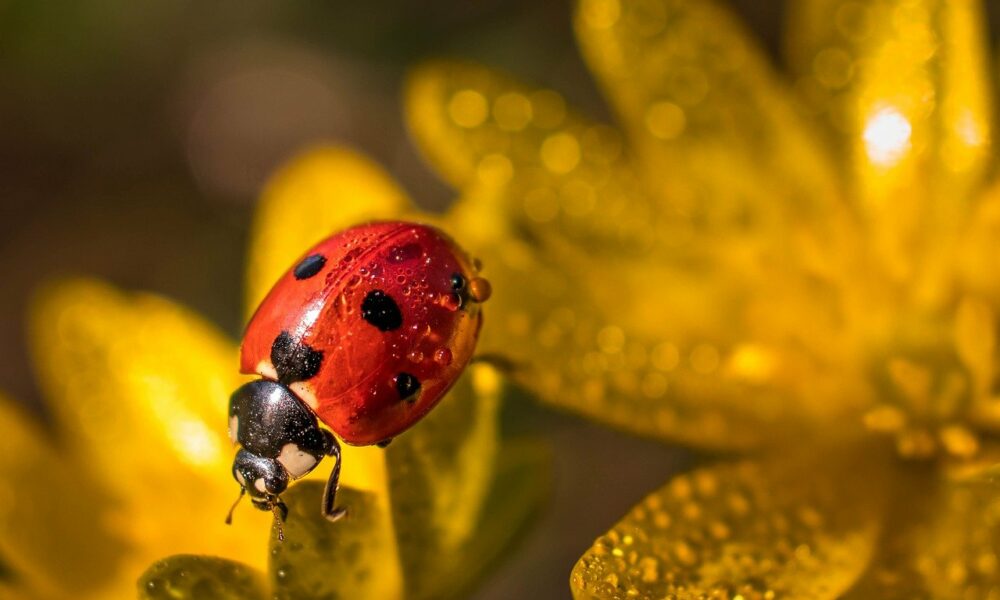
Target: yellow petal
[[942, 541], [518, 490], [319, 192], [906, 86], [191, 577], [354, 557], [52, 542], [562, 174], [715, 132], [139, 387], [671, 350], [979, 250], [782, 529], [440, 473], [975, 341]]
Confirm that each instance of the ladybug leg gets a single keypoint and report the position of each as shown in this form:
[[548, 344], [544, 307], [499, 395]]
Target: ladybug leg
[[330, 494]]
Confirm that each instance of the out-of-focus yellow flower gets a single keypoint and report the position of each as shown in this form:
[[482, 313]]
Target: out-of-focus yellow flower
[[136, 468], [805, 271]]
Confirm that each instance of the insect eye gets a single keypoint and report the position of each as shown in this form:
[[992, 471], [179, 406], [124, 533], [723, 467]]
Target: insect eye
[[457, 282]]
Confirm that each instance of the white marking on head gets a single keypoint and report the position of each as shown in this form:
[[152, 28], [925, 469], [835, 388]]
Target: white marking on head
[[234, 427], [305, 392], [266, 370], [239, 478], [259, 484], [295, 461]]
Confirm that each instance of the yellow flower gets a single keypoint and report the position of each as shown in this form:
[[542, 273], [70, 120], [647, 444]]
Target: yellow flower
[[803, 271], [137, 465]]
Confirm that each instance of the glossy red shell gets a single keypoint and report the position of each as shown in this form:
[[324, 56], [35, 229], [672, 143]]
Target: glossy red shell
[[354, 391]]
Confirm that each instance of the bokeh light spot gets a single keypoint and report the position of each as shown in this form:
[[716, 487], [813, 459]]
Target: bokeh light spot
[[560, 153], [468, 108], [665, 120], [887, 136]]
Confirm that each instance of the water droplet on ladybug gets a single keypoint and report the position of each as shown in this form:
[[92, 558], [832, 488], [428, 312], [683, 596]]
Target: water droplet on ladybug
[[417, 356], [400, 279], [480, 289], [442, 356]]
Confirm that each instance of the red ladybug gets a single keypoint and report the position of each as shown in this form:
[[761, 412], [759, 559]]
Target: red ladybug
[[366, 332]]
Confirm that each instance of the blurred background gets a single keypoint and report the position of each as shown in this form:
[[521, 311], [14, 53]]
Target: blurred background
[[134, 138]]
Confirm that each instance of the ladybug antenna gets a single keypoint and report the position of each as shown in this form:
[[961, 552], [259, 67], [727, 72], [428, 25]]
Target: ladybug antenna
[[229, 517]]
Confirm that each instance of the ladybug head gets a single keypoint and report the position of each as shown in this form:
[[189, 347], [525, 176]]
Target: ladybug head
[[262, 478]]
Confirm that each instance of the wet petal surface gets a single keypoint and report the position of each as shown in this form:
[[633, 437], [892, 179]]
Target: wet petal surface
[[942, 541], [699, 99], [353, 557], [756, 529], [452, 480], [904, 86], [190, 577]]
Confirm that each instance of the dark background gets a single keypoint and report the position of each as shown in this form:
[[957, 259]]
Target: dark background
[[134, 137]]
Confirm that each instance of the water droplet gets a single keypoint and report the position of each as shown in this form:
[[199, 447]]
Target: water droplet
[[442, 356], [416, 356]]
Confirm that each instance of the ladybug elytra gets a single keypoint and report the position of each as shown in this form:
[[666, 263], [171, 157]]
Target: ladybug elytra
[[365, 333]]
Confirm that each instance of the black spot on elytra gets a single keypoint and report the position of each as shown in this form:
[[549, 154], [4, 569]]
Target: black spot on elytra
[[380, 310], [407, 386], [293, 360], [309, 266], [458, 284]]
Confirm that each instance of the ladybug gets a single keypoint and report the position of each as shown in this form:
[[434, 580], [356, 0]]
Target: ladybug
[[365, 333]]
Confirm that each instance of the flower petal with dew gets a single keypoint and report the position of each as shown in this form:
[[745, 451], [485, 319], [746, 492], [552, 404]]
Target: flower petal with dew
[[697, 98], [943, 541], [755, 529], [649, 339], [190, 576], [906, 92], [351, 560]]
